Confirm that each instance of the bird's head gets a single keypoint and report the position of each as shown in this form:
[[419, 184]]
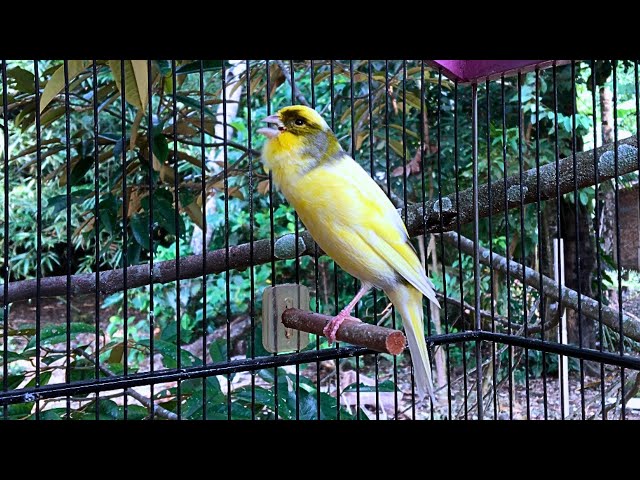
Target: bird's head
[[299, 139], [295, 120]]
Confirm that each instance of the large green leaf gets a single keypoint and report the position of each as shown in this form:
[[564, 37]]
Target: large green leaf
[[136, 81], [52, 334], [56, 83]]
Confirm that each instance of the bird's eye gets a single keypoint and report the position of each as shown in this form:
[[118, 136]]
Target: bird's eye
[[299, 122]]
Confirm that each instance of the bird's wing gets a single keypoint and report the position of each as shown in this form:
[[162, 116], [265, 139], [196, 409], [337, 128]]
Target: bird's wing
[[378, 223]]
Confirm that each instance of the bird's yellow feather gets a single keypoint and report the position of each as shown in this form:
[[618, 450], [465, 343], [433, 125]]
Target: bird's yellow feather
[[351, 219]]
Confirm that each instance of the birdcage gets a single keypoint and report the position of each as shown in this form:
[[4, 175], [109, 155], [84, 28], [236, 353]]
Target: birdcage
[[151, 269]]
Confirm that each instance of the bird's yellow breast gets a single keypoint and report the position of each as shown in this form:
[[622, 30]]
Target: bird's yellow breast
[[336, 201]]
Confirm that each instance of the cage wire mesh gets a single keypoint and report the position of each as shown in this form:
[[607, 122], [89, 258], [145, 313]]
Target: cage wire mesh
[[112, 170]]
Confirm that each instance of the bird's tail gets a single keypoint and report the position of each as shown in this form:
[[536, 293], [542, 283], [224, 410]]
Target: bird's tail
[[408, 300]]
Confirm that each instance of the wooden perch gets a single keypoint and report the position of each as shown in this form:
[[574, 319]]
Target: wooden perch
[[376, 338], [588, 306], [418, 222]]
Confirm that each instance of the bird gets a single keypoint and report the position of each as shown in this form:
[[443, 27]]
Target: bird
[[352, 220]]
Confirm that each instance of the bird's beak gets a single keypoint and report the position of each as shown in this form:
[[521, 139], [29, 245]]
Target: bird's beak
[[272, 132]]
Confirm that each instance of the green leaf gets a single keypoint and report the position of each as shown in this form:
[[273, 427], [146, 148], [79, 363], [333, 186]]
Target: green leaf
[[24, 79], [136, 81], [218, 350], [170, 355], [52, 334], [11, 357], [13, 381], [80, 169], [386, 386], [195, 104], [56, 83], [160, 147], [193, 67], [140, 228]]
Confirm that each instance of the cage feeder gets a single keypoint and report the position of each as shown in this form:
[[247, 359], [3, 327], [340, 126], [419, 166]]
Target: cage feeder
[[276, 338], [475, 71]]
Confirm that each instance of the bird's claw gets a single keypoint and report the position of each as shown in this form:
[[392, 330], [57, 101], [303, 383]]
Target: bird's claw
[[332, 327]]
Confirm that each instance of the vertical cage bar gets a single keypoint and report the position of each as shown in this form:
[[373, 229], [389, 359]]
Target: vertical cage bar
[[617, 213], [376, 358], [522, 246], [5, 249], [576, 201], [594, 107], [507, 243], [442, 261], [494, 366], [252, 280], [151, 230], [476, 245], [67, 137], [176, 221], [297, 251], [388, 178], [541, 307], [459, 231], [227, 284], [272, 238], [423, 148], [316, 261], [335, 265], [558, 229], [96, 196], [405, 204], [355, 280], [36, 75], [203, 194], [125, 239]]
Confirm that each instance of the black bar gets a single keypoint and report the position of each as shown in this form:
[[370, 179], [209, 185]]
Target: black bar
[[36, 75], [176, 221], [355, 280], [617, 215], [5, 252], [558, 224], [523, 257], [494, 365], [459, 231], [597, 230], [248, 365], [576, 201], [125, 239], [151, 229], [252, 300], [376, 358], [541, 307], [67, 137], [506, 233]]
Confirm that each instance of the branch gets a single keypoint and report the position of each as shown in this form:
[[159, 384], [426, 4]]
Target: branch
[[589, 307], [239, 256], [112, 281], [362, 334], [627, 163], [296, 91]]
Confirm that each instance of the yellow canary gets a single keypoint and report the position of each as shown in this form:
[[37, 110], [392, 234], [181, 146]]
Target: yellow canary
[[352, 220]]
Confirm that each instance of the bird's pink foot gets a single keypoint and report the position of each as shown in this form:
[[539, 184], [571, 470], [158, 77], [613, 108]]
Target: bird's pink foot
[[332, 327]]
